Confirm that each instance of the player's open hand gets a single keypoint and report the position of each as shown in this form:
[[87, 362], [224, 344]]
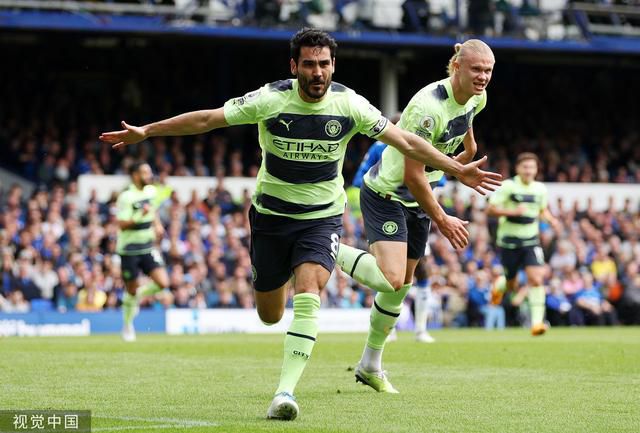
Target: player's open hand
[[454, 229], [129, 135], [480, 180]]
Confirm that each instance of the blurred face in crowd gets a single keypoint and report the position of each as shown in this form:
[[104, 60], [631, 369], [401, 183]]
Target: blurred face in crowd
[[527, 170], [473, 71], [314, 69], [143, 176]]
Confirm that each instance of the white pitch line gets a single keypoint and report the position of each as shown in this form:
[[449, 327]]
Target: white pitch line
[[173, 423], [140, 427]]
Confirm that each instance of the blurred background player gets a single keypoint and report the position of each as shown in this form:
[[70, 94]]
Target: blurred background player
[[396, 193], [139, 227], [422, 297], [296, 217], [519, 204]]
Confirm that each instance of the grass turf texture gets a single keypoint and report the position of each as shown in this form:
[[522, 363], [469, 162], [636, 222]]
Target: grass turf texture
[[570, 380]]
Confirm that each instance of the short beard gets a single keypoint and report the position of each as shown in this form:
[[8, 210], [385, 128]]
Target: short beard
[[306, 87]]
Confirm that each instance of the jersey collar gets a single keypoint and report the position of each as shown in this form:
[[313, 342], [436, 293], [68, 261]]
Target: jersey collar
[[452, 98]]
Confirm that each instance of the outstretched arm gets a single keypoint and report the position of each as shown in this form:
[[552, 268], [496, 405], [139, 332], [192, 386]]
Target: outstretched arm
[[416, 148], [451, 227], [194, 122]]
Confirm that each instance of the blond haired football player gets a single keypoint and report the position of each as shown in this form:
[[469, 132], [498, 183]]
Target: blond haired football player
[[398, 204]]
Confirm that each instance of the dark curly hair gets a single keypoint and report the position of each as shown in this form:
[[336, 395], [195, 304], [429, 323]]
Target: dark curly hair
[[309, 37]]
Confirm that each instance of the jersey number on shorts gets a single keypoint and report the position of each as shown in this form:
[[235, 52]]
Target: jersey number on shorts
[[539, 255], [335, 243], [157, 257]]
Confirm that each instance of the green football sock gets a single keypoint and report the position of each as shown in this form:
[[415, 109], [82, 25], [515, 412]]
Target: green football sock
[[384, 316], [149, 289], [537, 298], [129, 308], [299, 341], [363, 267]]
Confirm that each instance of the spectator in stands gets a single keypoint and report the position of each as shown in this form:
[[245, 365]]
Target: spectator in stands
[[268, 12], [23, 281], [592, 308], [480, 17], [564, 257], [415, 16], [558, 305], [90, 298], [226, 299], [14, 303], [478, 297], [45, 278], [7, 277], [630, 304], [603, 266]]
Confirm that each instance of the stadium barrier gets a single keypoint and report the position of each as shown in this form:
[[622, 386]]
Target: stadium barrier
[[173, 322], [600, 193], [50, 324], [215, 321], [105, 185]]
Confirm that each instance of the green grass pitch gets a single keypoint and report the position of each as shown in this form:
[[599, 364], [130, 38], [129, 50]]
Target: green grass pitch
[[571, 380]]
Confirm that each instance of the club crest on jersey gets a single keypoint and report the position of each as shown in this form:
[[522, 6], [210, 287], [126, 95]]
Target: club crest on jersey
[[333, 128], [390, 228]]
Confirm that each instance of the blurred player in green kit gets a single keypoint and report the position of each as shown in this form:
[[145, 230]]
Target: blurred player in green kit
[[519, 204], [136, 240]]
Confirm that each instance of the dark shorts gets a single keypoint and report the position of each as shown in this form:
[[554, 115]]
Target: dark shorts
[[279, 244], [389, 220], [131, 265], [519, 258]]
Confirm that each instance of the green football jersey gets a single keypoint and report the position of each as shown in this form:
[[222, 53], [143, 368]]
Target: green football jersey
[[131, 205], [434, 115], [520, 231], [303, 145]]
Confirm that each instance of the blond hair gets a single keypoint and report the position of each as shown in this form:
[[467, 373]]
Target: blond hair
[[462, 50]]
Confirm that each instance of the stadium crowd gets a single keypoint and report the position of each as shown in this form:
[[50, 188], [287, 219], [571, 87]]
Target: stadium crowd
[[58, 252], [482, 17]]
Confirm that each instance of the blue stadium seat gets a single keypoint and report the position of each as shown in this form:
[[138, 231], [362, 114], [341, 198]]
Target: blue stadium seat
[[41, 305]]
